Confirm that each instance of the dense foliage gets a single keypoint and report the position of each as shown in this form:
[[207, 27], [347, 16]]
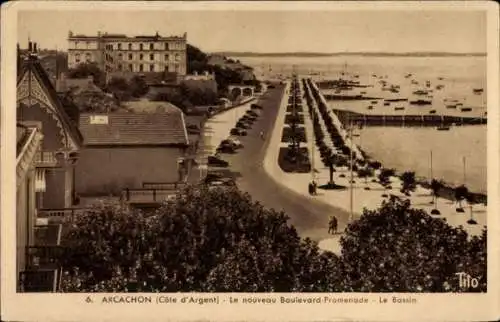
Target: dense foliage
[[207, 240], [399, 249], [221, 240], [84, 70]]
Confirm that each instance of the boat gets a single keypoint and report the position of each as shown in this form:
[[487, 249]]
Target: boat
[[451, 106], [466, 109], [370, 107], [440, 78], [432, 112], [387, 103], [414, 82], [443, 128], [363, 92], [408, 75], [420, 92], [374, 102], [438, 87], [477, 90], [399, 108], [420, 102], [396, 99]]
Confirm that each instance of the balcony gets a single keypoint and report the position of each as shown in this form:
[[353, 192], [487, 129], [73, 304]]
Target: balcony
[[59, 216], [46, 159], [39, 280], [164, 185], [48, 235]]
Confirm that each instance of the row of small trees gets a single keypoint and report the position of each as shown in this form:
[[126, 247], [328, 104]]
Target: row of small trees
[[220, 240]]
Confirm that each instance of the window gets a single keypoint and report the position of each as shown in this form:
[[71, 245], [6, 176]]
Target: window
[[76, 44], [177, 57], [119, 46], [87, 57], [166, 46], [129, 56], [130, 67], [166, 57], [141, 47], [77, 58], [129, 46], [120, 67], [87, 43], [141, 68], [120, 56], [141, 57], [151, 57], [151, 68], [151, 46]]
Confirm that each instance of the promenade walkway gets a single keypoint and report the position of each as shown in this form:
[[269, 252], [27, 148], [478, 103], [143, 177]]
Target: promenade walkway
[[339, 200]]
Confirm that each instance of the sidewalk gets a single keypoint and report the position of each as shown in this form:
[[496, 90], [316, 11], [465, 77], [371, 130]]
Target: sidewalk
[[370, 199]]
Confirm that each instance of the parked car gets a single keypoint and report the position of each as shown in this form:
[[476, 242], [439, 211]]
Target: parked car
[[222, 182], [242, 125], [238, 131], [193, 129], [226, 147], [217, 162], [252, 113], [235, 141]]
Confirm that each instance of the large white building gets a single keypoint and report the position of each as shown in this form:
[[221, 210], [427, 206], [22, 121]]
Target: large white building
[[121, 53]]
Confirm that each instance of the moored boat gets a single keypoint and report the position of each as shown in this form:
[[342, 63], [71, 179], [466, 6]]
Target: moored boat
[[443, 128], [421, 102], [466, 109]]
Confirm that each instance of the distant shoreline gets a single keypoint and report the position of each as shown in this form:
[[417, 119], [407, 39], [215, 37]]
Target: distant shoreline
[[370, 54]]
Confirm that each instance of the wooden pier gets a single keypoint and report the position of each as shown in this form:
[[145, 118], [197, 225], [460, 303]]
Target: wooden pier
[[407, 120]]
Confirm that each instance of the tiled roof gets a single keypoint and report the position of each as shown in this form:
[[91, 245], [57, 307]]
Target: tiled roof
[[33, 64], [146, 106], [134, 129]]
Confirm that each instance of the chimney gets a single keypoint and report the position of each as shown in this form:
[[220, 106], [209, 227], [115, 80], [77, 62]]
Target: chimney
[[30, 47], [34, 47]]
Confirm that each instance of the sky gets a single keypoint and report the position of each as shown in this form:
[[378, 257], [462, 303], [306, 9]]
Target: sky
[[272, 31]]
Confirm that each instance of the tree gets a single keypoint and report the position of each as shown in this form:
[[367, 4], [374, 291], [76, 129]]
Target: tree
[[120, 88], [461, 193], [138, 86], [409, 252], [365, 172], [204, 240], [409, 183], [85, 70]]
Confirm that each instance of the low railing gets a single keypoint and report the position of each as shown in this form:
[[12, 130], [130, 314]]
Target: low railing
[[39, 280], [48, 235], [61, 215], [164, 185], [45, 159], [146, 196], [43, 257]]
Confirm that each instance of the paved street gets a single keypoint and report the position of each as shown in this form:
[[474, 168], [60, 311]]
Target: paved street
[[310, 218]]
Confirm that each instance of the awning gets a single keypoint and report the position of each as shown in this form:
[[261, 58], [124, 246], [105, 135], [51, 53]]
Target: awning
[[40, 180]]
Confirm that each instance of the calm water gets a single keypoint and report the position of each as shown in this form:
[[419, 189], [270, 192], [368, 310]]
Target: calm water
[[408, 148]]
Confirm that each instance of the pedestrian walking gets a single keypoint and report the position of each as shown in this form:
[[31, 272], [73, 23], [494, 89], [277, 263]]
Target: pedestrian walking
[[332, 225]]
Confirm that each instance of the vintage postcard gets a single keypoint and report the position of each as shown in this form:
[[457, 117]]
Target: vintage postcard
[[256, 161]]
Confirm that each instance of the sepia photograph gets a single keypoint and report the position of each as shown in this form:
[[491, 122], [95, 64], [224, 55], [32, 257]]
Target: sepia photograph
[[242, 151]]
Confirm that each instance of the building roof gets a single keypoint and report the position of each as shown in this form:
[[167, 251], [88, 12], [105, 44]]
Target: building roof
[[146, 106], [32, 64], [134, 129]]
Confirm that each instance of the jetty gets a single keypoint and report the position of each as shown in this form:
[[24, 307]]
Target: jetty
[[407, 119]]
